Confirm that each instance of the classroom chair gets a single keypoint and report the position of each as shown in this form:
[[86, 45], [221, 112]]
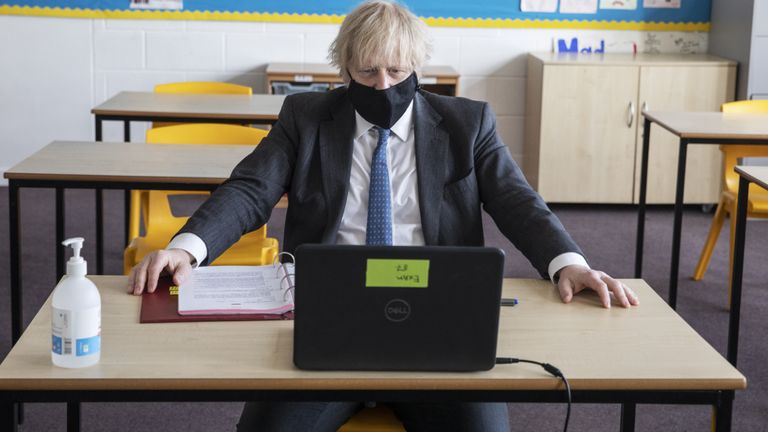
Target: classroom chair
[[758, 197], [254, 248], [373, 419], [205, 87], [192, 87], [200, 87]]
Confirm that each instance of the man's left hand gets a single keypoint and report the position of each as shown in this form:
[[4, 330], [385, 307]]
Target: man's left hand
[[575, 278]]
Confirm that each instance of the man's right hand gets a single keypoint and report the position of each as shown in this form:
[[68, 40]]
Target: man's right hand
[[174, 262]]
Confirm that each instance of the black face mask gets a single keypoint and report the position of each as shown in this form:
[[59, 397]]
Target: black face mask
[[382, 107]]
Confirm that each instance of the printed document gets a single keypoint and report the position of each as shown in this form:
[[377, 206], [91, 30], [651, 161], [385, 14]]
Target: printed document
[[238, 289]]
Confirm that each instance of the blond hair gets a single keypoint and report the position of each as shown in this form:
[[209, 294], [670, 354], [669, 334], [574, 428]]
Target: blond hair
[[380, 33]]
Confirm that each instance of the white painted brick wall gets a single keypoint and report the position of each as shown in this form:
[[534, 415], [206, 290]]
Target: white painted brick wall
[[46, 85], [185, 51], [247, 52], [56, 70], [119, 49]]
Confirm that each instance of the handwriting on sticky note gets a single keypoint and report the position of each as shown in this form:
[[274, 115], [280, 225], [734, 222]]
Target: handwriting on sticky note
[[397, 273]]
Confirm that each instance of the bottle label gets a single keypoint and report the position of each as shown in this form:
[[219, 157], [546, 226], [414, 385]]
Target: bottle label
[[77, 334]]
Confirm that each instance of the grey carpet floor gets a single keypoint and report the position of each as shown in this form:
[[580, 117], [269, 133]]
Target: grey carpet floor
[[606, 234]]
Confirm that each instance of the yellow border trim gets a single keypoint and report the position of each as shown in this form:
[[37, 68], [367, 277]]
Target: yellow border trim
[[336, 19]]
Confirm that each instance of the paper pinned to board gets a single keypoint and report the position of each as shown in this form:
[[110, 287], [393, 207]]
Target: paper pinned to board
[[578, 6], [157, 4], [538, 5], [669, 4], [618, 4]]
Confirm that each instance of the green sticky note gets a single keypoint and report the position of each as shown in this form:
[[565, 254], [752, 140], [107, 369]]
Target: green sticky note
[[398, 273]]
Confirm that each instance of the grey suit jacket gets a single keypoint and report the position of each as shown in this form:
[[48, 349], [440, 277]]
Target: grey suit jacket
[[462, 164]]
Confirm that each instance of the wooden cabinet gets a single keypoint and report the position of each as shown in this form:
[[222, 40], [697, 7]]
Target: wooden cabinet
[[288, 78], [583, 125]]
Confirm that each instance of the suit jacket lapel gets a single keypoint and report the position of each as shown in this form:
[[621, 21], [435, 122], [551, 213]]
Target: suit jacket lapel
[[431, 141], [335, 141]]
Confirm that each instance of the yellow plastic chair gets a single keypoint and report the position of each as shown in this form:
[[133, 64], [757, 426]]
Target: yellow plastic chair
[[758, 197], [200, 87], [254, 248], [377, 419], [210, 87]]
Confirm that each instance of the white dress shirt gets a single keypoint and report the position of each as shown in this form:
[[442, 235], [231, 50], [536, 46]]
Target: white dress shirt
[[403, 182], [406, 218]]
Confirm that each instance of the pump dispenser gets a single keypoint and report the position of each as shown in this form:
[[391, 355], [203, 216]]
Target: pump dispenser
[[76, 314]]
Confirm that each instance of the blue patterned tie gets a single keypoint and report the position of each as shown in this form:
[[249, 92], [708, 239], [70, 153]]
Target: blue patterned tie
[[379, 229]]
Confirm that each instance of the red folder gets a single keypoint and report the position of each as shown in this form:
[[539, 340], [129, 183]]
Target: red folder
[[162, 307]]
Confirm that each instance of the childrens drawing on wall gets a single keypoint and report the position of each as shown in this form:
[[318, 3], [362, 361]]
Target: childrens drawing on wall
[[618, 4], [669, 4]]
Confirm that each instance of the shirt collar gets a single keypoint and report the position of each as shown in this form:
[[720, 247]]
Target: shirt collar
[[401, 128]]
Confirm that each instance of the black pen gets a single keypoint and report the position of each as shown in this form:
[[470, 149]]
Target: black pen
[[509, 301]]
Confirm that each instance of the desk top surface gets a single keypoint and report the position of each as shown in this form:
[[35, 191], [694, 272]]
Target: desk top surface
[[324, 69], [712, 125], [642, 348], [171, 105], [755, 174], [125, 162]]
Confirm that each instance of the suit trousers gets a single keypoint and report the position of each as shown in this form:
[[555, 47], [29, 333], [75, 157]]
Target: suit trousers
[[415, 416]]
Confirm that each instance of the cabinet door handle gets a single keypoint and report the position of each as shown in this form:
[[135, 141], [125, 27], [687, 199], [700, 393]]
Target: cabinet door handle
[[631, 114], [645, 107]]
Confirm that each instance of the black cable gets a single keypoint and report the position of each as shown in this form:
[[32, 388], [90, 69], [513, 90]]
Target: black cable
[[553, 371]]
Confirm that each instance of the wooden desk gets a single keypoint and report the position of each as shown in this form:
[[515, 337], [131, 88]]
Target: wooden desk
[[691, 128], [90, 165], [747, 175], [187, 108], [646, 354], [437, 79]]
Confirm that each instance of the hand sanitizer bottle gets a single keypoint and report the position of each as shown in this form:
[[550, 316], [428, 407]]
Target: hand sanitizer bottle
[[76, 315]]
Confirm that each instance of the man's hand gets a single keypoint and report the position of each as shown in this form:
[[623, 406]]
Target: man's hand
[[575, 278], [174, 262]]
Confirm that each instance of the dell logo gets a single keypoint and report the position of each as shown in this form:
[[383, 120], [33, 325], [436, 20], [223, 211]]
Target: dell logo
[[397, 310]]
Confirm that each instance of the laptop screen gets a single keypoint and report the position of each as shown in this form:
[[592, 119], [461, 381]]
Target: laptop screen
[[397, 307]]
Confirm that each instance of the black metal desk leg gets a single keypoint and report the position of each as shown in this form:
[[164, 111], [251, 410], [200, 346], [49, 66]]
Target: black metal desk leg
[[99, 215], [98, 128], [73, 416], [678, 223], [100, 231], [127, 193], [738, 270], [8, 419], [628, 417], [60, 258], [127, 215], [641, 200], [17, 319], [723, 412], [15, 237]]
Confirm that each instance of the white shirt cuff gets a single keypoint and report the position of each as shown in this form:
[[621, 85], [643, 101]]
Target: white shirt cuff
[[563, 260], [194, 245]]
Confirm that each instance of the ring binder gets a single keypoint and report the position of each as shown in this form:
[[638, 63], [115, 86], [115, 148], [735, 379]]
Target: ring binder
[[287, 274], [162, 307], [237, 289]]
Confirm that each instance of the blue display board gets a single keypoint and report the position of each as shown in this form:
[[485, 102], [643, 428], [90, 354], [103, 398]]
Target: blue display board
[[692, 15]]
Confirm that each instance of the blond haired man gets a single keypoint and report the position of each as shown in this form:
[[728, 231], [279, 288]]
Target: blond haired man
[[433, 161]]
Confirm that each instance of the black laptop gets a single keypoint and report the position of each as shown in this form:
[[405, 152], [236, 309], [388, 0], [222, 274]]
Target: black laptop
[[396, 307]]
